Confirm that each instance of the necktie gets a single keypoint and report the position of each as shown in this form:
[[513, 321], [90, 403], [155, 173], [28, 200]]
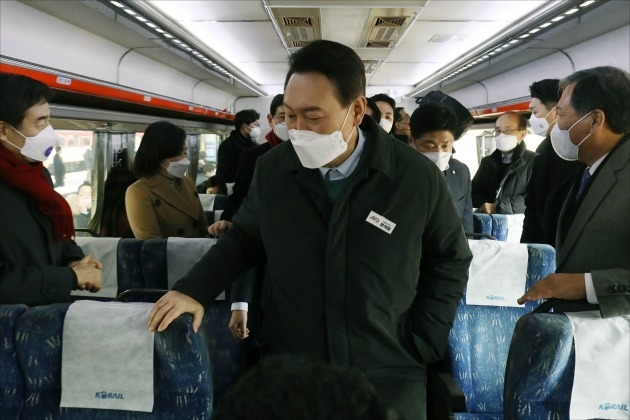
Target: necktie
[[586, 177]]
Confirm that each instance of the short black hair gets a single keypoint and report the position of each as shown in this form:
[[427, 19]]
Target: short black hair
[[381, 97], [19, 93], [339, 63], [376, 113], [277, 101], [397, 114], [546, 91], [161, 140], [245, 116], [606, 88], [432, 116], [284, 387]]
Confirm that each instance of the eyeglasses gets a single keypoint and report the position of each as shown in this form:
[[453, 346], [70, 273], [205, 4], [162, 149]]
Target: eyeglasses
[[498, 131]]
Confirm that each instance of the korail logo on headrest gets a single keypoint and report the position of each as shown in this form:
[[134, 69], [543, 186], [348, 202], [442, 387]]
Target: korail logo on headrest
[[109, 395], [611, 406]]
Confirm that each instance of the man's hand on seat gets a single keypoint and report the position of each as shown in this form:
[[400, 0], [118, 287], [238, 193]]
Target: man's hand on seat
[[557, 285], [172, 305]]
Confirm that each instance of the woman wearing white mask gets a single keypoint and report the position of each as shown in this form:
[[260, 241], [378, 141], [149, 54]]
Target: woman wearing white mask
[[433, 128], [164, 202], [500, 184]]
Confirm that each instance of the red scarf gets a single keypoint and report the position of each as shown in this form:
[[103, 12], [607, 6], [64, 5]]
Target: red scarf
[[273, 139], [29, 178]]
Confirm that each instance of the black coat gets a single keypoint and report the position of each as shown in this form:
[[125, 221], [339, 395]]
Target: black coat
[[459, 184], [511, 187], [551, 180], [33, 268], [244, 175], [337, 287], [229, 153]]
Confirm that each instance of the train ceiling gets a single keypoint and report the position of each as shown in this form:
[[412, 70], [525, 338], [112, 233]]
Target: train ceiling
[[242, 46]]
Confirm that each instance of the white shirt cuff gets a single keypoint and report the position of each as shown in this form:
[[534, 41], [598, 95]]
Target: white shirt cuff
[[590, 289], [239, 306]]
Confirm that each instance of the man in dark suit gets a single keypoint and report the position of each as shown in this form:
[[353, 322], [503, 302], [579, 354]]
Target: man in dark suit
[[366, 255], [552, 177], [243, 137], [434, 130], [593, 239]]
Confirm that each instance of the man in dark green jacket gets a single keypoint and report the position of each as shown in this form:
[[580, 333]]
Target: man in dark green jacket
[[366, 255]]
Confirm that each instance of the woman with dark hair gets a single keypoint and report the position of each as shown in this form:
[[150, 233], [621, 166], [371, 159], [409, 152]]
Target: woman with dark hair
[[434, 128], [164, 202]]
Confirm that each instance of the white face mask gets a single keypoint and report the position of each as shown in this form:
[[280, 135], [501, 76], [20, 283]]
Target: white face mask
[[506, 143], [254, 133], [316, 150], [540, 125], [177, 169], [282, 132], [562, 144], [39, 147], [439, 158], [386, 124]]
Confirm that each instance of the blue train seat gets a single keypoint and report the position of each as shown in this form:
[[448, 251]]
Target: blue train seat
[[154, 269], [130, 274], [182, 383], [507, 227], [482, 223], [11, 380], [471, 384], [538, 383]]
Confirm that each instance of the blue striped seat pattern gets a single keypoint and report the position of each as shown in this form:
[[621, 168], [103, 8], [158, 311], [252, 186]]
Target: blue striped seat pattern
[[129, 264], [479, 342], [500, 226], [228, 355], [183, 386], [11, 382], [540, 367], [154, 265], [482, 223]]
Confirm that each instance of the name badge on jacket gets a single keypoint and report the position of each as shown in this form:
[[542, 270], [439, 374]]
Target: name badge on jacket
[[381, 222]]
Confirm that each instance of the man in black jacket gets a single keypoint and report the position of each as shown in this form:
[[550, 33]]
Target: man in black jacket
[[500, 184], [366, 255], [552, 176], [243, 137]]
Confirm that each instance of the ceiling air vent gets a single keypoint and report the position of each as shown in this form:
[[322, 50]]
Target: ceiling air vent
[[297, 21], [377, 44], [397, 21], [299, 44], [370, 65], [386, 28]]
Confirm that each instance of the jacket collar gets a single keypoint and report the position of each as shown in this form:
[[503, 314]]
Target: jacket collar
[[378, 152], [608, 174], [160, 186], [517, 153]]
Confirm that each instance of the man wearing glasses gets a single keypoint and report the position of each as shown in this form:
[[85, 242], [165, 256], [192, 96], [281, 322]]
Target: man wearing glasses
[[500, 184]]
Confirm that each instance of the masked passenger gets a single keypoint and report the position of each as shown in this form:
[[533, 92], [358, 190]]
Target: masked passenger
[[39, 261], [164, 202]]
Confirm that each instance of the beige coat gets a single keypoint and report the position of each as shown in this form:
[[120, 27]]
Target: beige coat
[[157, 210]]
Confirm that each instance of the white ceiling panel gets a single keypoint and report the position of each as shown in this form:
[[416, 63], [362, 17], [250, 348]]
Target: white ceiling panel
[[402, 73], [219, 10], [465, 10], [239, 42], [344, 25], [416, 45], [266, 73]]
